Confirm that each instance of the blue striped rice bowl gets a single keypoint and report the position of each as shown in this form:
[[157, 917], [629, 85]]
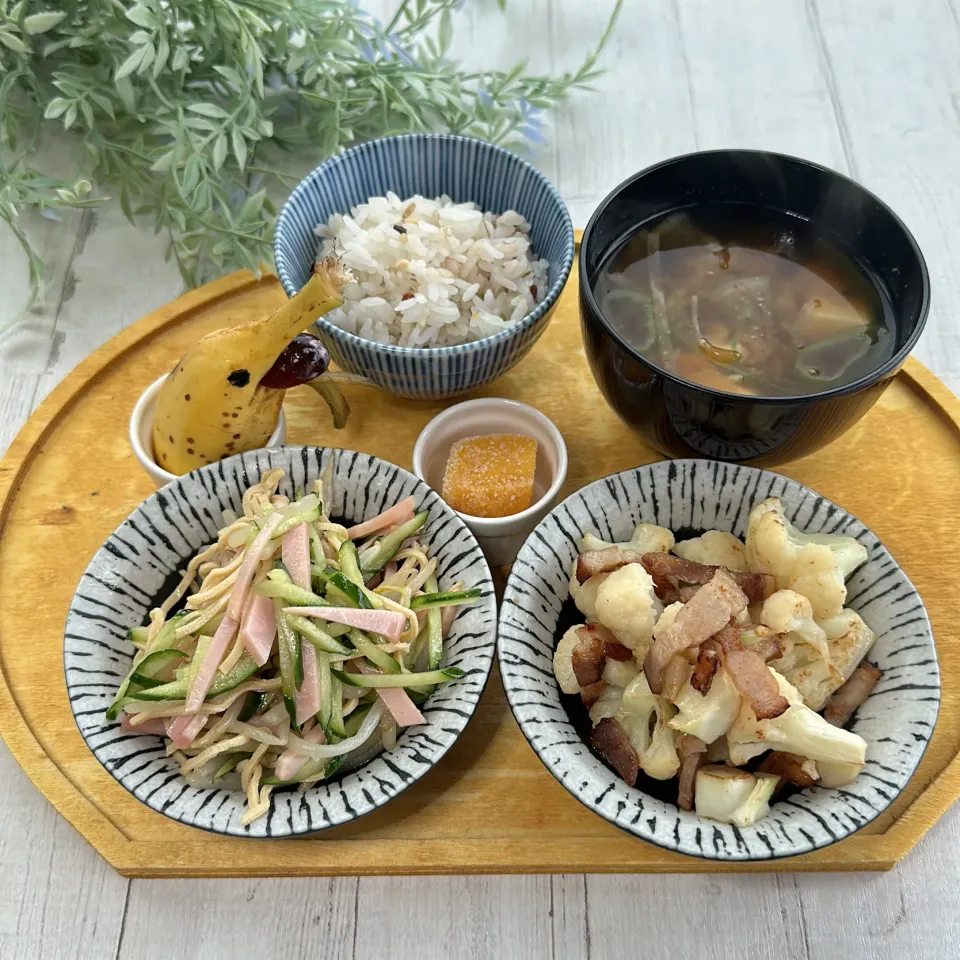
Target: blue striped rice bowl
[[430, 165]]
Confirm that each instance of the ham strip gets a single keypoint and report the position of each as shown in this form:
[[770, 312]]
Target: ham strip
[[183, 730], [403, 710], [154, 726], [238, 595], [693, 751], [751, 676], [709, 611], [289, 763], [447, 616], [610, 740], [665, 566], [386, 623], [841, 706], [259, 629], [295, 551], [398, 513], [208, 669], [604, 561]]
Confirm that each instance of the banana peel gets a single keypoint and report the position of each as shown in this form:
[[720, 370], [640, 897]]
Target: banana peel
[[213, 406]]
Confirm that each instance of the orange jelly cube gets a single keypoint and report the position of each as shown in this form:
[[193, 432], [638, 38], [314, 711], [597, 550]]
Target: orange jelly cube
[[491, 476]]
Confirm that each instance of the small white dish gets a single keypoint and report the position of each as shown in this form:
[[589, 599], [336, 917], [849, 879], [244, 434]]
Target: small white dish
[[141, 434], [500, 537]]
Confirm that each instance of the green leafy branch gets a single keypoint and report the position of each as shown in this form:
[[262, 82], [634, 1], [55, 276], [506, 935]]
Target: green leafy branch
[[183, 109]]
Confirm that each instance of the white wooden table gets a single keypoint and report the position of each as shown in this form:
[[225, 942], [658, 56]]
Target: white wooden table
[[867, 87]]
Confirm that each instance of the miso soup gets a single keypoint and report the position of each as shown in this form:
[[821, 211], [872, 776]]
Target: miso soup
[[746, 299]]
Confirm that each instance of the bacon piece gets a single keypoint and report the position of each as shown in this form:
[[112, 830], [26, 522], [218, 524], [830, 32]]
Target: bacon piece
[[709, 611], [768, 648], [590, 694], [841, 706], [614, 650], [587, 657], [665, 566], [750, 675], [788, 767], [693, 752], [708, 660], [674, 676], [610, 740], [604, 561]]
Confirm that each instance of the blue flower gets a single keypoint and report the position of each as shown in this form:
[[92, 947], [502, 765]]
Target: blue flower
[[366, 51], [484, 97], [531, 132]]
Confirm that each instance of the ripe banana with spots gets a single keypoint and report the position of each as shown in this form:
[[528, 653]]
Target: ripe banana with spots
[[215, 403]]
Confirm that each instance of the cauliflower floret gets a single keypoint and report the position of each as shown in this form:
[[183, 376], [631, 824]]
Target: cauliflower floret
[[647, 538], [788, 612], [818, 658], [627, 605], [798, 730], [715, 547], [607, 705], [849, 640], [814, 565], [707, 715], [665, 620], [619, 673], [584, 595], [563, 661], [657, 750]]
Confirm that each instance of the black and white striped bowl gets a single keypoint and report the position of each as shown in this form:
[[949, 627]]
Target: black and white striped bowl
[[897, 720], [464, 169], [131, 572]]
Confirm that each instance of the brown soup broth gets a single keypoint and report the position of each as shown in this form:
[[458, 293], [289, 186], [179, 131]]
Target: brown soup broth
[[746, 299]]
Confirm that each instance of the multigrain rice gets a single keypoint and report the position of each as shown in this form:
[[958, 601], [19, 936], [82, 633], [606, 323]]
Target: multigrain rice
[[432, 273]]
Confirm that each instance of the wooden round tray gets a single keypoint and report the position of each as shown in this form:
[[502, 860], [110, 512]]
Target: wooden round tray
[[70, 478]]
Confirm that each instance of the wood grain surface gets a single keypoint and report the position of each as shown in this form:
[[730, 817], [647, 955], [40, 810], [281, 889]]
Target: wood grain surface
[[452, 821], [869, 86]]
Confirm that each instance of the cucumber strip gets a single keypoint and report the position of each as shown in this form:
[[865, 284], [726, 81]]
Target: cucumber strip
[[429, 601], [229, 763], [412, 656], [250, 705], [321, 572], [148, 670], [308, 516], [288, 646], [377, 680], [421, 695], [349, 561], [344, 592], [351, 725], [336, 709], [177, 689], [316, 635], [138, 636], [434, 628], [193, 668], [290, 593], [388, 547], [379, 658]]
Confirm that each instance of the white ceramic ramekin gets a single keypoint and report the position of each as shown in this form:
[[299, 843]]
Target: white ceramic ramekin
[[500, 537], [141, 434]]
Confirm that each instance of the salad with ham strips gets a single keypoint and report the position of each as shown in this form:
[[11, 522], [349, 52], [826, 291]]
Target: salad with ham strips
[[293, 646], [700, 657]]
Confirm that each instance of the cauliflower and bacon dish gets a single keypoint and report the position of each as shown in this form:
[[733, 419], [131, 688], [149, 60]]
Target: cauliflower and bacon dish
[[699, 657]]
